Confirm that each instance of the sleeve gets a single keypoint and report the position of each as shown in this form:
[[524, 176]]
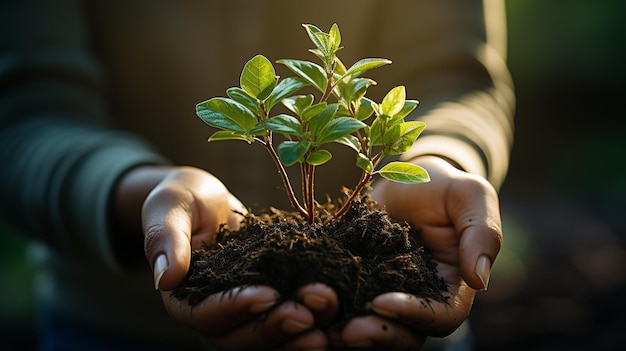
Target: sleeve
[[454, 61], [59, 159]]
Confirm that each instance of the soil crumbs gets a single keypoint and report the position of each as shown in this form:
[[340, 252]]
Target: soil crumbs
[[360, 255]]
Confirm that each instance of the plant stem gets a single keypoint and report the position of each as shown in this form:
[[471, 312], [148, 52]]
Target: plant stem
[[307, 172], [365, 180], [303, 183], [283, 174], [330, 85], [311, 192]]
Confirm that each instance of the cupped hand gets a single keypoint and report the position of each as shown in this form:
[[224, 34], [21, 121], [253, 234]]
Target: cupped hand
[[183, 211], [459, 218]]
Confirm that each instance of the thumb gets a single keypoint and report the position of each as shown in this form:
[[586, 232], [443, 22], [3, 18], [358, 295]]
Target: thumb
[[475, 213], [167, 224]]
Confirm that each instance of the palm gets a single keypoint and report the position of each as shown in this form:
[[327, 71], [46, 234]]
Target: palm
[[458, 216]]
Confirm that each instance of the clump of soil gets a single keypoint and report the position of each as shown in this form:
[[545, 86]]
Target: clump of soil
[[360, 255]]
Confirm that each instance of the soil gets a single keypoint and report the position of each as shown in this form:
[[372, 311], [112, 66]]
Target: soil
[[360, 255]]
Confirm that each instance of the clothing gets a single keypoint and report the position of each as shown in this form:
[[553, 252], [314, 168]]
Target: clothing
[[89, 90]]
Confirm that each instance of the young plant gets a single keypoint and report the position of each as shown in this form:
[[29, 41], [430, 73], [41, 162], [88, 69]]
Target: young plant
[[339, 112]]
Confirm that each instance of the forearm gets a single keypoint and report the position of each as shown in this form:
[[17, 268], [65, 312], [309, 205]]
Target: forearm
[[455, 65], [59, 162], [474, 129]]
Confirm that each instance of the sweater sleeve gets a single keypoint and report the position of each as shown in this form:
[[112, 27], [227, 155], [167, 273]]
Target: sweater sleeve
[[59, 160], [454, 63], [475, 130]]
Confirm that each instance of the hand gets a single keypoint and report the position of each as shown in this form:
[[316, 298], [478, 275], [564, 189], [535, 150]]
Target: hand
[[459, 217], [185, 210]]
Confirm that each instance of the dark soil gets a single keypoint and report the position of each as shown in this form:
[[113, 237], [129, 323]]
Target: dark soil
[[361, 255]]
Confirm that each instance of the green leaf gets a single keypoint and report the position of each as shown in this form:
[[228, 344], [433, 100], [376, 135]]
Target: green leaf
[[355, 89], [392, 131], [407, 133], [350, 141], [393, 102], [319, 121], [409, 106], [312, 111], [259, 129], [230, 135], [404, 172], [316, 38], [226, 114], [291, 152], [244, 98], [284, 88], [334, 38], [319, 157], [284, 124], [365, 110], [319, 54], [384, 130], [337, 128], [340, 68], [376, 132], [297, 104], [324, 38], [364, 163], [343, 110], [363, 65], [258, 77], [311, 73]]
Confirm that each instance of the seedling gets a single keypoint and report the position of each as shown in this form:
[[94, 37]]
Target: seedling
[[338, 112]]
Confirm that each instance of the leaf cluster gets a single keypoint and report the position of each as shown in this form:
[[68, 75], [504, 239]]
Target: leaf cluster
[[340, 112]]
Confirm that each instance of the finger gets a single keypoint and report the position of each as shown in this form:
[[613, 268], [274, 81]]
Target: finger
[[309, 340], [321, 300], [222, 312], [270, 330], [427, 316], [376, 333], [167, 227], [475, 213]]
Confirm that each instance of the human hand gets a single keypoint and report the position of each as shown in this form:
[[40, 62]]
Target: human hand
[[459, 218], [184, 211]]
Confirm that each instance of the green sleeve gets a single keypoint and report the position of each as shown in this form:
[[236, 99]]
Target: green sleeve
[[59, 160]]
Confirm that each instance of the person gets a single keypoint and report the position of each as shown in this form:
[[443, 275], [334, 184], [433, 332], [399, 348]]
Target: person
[[105, 164]]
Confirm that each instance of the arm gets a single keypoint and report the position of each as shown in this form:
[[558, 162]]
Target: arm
[[60, 164], [453, 59], [467, 103]]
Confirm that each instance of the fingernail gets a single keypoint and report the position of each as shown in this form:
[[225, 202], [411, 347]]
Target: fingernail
[[261, 306], [483, 270], [294, 327], [317, 302], [385, 313], [364, 343], [160, 266]]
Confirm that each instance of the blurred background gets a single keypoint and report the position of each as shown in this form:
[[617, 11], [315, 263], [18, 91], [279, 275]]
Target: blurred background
[[560, 280]]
